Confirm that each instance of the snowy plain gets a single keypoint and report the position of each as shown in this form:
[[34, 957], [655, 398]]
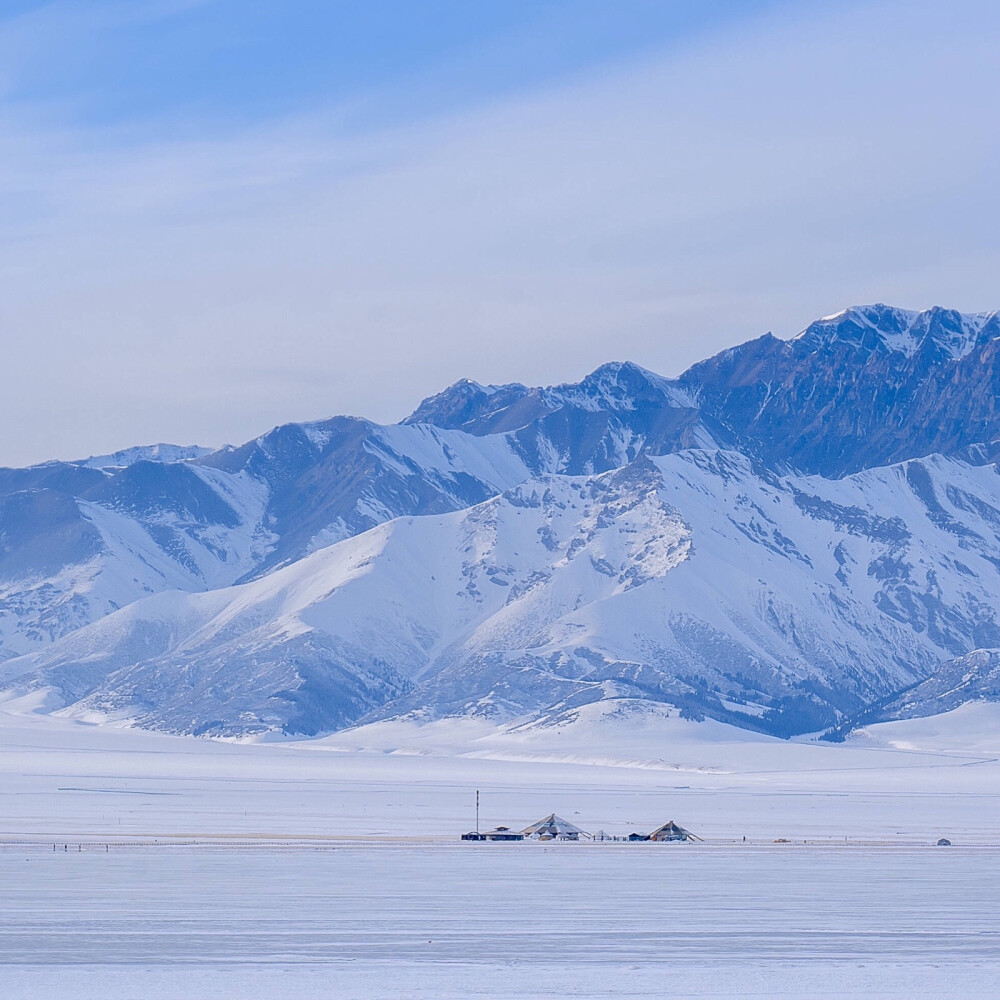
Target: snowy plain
[[150, 866], [500, 922]]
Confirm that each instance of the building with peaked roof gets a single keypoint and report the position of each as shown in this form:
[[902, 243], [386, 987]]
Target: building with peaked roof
[[554, 827], [500, 833], [671, 831]]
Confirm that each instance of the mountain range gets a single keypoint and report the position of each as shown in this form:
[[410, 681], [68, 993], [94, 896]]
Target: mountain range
[[790, 536]]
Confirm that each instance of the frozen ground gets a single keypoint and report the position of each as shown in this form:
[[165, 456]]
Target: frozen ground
[[405, 911], [65, 779], [500, 922]]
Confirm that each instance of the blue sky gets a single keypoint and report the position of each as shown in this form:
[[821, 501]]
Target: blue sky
[[181, 64], [217, 216]]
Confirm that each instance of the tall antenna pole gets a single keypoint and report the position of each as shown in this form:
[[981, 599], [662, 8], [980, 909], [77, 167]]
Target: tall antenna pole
[[477, 810]]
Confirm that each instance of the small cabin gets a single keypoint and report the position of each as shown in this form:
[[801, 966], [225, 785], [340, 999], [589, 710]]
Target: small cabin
[[498, 834], [634, 838], [503, 833]]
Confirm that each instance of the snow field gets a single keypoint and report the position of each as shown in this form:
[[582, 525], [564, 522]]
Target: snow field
[[61, 779], [499, 921], [401, 920]]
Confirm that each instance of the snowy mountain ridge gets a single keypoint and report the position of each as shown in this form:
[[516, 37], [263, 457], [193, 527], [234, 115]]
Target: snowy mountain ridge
[[785, 535], [145, 453], [907, 331]]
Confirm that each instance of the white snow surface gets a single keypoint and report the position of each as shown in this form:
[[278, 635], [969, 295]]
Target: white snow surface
[[973, 727], [438, 451], [603, 390], [616, 767], [146, 453], [503, 923], [320, 869]]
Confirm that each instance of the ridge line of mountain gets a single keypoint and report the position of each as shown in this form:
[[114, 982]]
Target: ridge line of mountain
[[855, 460]]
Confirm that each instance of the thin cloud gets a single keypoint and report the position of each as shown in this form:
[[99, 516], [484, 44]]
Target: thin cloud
[[204, 290]]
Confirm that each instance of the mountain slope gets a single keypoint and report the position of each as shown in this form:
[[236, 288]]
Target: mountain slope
[[969, 678], [78, 542], [828, 505], [871, 386], [565, 590]]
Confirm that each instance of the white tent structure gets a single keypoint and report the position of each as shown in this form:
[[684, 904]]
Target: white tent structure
[[554, 827], [671, 831]]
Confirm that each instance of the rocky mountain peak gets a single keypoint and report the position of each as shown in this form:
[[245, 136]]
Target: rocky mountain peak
[[938, 334], [479, 409], [617, 385]]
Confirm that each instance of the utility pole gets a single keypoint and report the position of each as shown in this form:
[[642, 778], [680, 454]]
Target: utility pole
[[477, 810]]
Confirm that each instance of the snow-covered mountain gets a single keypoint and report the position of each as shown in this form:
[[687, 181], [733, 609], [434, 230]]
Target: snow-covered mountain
[[783, 537], [145, 453], [870, 386], [77, 542], [974, 677], [563, 590]]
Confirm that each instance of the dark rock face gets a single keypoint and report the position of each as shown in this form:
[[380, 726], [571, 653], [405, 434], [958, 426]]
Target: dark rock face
[[872, 387], [339, 474], [972, 677], [476, 409], [147, 489], [41, 531]]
